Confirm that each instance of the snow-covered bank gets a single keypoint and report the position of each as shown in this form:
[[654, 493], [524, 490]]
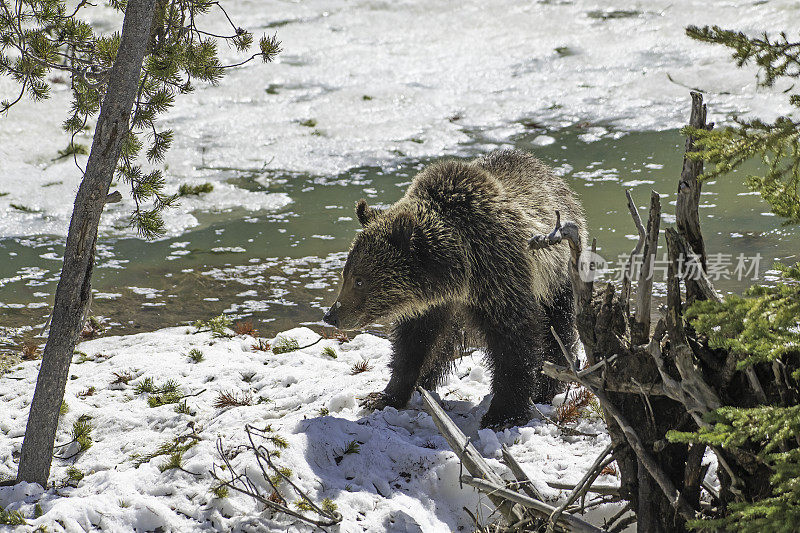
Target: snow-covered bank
[[404, 478], [366, 82]]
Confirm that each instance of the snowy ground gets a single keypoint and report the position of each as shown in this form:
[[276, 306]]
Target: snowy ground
[[404, 478], [409, 79]]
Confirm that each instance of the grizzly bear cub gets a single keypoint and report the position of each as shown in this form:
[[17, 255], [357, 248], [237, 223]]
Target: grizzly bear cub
[[454, 252]]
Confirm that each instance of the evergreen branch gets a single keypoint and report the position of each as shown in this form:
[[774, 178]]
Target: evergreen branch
[[775, 57]]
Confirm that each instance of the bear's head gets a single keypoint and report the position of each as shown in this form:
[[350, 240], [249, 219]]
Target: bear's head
[[398, 266]]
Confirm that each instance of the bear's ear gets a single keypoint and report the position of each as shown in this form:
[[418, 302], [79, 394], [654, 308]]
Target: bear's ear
[[408, 236], [365, 213]]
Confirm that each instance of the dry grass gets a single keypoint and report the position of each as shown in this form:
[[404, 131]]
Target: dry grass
[[232, 399], [245, 327], [88, 392], [262, 345], [570, 410], [335, 334], [361, 366], [30, 351], [122, 378], [610, 470]]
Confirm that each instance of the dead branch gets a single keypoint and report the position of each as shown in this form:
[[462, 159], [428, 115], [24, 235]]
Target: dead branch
[[630, 266], [566, 521], [605, 490], [687, 216], [524, 481], [580, 488], [644, 293], [240, 482], [672, 494], [468, 455], [609, 384]]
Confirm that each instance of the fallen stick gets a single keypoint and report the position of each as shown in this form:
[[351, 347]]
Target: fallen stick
[[604, 490], [566, 521], [579, 489], [468, 455]]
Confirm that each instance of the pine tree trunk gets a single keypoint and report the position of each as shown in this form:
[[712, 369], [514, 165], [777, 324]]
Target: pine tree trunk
[[74, 287]]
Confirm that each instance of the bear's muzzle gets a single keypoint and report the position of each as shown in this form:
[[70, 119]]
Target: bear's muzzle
[[332, 316]]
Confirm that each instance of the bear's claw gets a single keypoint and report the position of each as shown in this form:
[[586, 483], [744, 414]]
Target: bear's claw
[[501, 421], [375, 401]]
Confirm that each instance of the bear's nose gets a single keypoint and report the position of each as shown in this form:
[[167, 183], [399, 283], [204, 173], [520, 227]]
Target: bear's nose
[[332, 317]]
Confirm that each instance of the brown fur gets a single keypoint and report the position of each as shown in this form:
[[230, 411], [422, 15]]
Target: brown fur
[[456, 245]]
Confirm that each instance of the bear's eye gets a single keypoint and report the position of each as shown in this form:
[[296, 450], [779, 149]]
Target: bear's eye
[[359, 282]]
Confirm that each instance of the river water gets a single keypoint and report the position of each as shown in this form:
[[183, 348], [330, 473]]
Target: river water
[[363, 95], [280, 268]]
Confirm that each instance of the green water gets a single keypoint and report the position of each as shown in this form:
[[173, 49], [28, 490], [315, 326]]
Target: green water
[[280, 269]]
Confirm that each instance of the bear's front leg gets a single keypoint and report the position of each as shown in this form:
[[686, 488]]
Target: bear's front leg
[[412, 341]]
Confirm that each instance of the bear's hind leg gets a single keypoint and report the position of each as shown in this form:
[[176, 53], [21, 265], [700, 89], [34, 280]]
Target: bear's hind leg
[[560, 314], [413, 341], [514, 354]]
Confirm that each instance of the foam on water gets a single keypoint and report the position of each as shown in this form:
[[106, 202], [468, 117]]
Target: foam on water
[[363, 83]]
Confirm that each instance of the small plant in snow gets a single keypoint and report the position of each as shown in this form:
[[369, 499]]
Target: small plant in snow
[[232, 399], [175, 461], [247, 377], [81, 434], [146, 386], [74, 475], [64, 409], [11, 518], [180, 445], [245, 327], [30, 351], [217, 326], [122, 378], [182, 408], [361, 366], [329, 352], [164, 394], [262, 345], [329, 506], [570, 411], [164, 398], [304, 505], [88, 392], [352, 447], [196, 355], [285, 345], [323, 411]]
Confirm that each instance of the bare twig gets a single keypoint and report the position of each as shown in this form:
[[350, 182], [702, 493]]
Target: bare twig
[[468, 455], [580, 488], [242, 484], [605, 490], [566, 521], [524, 481], [562, 373]]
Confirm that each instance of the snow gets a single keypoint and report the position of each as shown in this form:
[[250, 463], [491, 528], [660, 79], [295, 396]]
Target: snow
[[404, 478], [407, 79]]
